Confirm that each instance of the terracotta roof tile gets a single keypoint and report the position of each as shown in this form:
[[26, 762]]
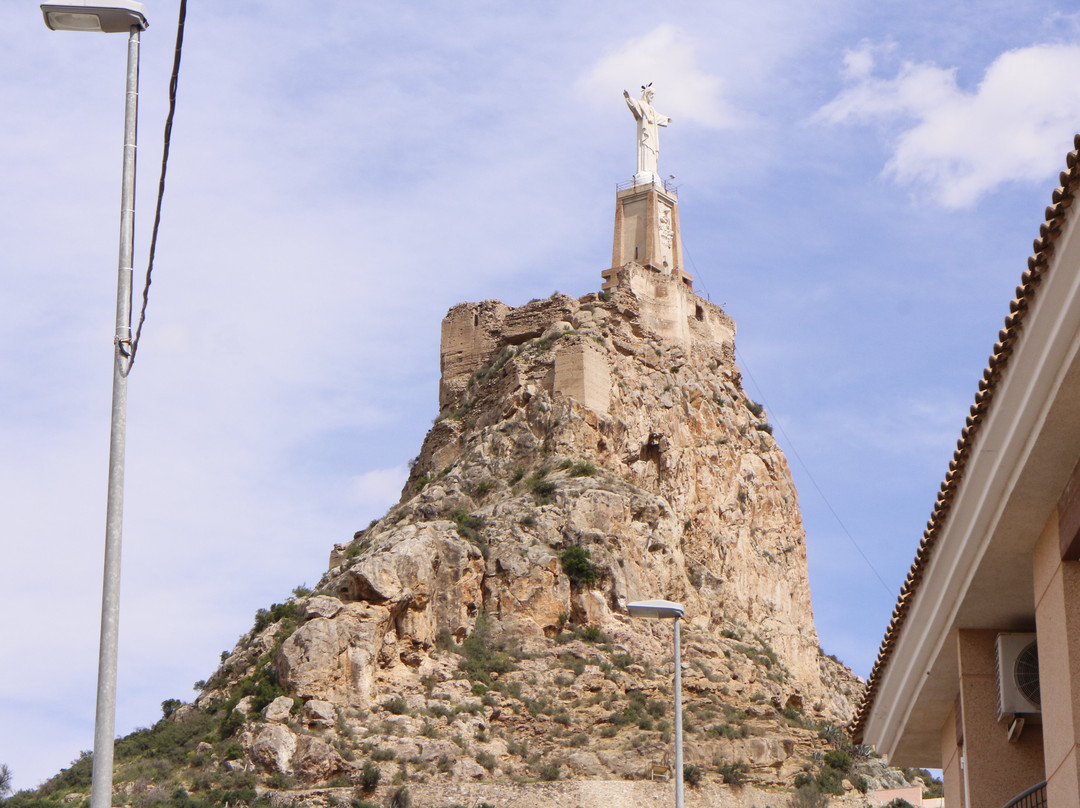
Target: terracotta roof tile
[[1062, 199]]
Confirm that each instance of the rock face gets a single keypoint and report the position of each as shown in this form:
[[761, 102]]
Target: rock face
[[589, 452], [658, 464]]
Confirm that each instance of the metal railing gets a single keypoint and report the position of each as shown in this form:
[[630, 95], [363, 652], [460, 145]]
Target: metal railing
[[669, 185], [1034, 797]]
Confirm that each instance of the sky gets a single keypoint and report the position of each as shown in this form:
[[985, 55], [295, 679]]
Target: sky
[[859, 181]]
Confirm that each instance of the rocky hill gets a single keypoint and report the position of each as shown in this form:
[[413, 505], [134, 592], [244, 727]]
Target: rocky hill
[[472, 646]]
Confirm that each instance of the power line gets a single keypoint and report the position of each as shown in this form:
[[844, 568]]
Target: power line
[[825, 499], [173, 81]]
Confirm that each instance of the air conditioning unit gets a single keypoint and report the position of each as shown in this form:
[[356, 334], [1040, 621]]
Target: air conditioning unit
[[1017, 674]]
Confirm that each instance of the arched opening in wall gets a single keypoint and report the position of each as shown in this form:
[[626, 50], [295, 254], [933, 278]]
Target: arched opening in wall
[[699, 312]]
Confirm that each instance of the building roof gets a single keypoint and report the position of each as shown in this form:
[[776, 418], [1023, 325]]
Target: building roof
[[1037, 267]]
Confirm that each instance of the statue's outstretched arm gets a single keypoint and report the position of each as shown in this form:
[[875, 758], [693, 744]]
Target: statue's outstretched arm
[[633, 104]]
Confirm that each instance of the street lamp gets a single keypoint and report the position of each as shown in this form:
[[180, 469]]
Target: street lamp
[[117, 17], [664, 609]]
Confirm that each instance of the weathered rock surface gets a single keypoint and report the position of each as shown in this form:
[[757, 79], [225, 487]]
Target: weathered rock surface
[[588, 453]]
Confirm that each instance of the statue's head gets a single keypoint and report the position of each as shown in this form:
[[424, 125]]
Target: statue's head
[[647, 92]]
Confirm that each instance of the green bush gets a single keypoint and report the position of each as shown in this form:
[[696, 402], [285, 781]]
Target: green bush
[[583, 469], [399, 798], [369, 776], [734, 774], [551, 771], [577, 566], [838, 759], [542, 489], [691, 774], [396, 705], [831, 781], [383, 753], [482, 656]]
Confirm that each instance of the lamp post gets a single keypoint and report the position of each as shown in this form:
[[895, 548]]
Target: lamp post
[[664, 609], [117, 17]]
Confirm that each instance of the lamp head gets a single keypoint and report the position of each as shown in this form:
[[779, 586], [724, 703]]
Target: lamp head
[[119, 16], [655, 608]]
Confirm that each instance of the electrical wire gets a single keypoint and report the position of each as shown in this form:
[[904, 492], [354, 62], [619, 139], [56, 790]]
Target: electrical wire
[[173, 81], [791, 445], [794, 451]]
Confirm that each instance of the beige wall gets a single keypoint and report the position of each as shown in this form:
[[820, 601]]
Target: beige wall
[[1057, 612], [995, 769], [582, 373], [950, 763]]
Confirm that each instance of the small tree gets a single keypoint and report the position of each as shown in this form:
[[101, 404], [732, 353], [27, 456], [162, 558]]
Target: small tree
[[577, 566], [5, 779]]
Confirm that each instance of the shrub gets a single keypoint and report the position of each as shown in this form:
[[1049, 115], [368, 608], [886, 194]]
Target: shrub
[[487, 760], [899, 802], [622, 661], [838, 759], [577, 566], [539, 487], [382, 753], [399, 798], [550, 771], [691, 774], [830, 781], [444, 640], [369, 776], [278, 611], [468, 524], [482, 657], [396, 705], [584, 469], [808, 796], [734, 774]]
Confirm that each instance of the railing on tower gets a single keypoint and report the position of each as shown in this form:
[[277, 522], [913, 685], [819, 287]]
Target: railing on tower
[[669, 185]]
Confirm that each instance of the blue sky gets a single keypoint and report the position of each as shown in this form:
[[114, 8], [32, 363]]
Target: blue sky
[[860, 183]]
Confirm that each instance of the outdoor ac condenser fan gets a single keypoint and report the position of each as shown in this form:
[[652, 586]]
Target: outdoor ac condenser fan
[[1017, 674]]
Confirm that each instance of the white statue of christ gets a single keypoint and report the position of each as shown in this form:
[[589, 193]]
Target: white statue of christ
[[648, 135]]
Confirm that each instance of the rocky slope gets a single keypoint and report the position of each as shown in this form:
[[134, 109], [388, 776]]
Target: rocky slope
[[473, 643]]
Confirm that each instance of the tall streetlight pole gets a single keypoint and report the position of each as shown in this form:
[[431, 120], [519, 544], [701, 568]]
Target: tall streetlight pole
[[669, 609], [118, 17]]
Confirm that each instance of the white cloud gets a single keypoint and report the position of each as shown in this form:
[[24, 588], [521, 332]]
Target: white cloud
[[956, 145], [666, 56]]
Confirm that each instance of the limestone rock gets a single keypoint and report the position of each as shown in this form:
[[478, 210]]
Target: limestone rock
[[271, 748], [279, 710], [317, 713], [459, 626], [315, 761]]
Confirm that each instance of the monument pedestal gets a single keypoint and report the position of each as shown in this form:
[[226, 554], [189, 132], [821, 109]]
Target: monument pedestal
[[647, 231]]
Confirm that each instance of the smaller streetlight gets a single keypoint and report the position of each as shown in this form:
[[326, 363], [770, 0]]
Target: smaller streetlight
[[664, 609]]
